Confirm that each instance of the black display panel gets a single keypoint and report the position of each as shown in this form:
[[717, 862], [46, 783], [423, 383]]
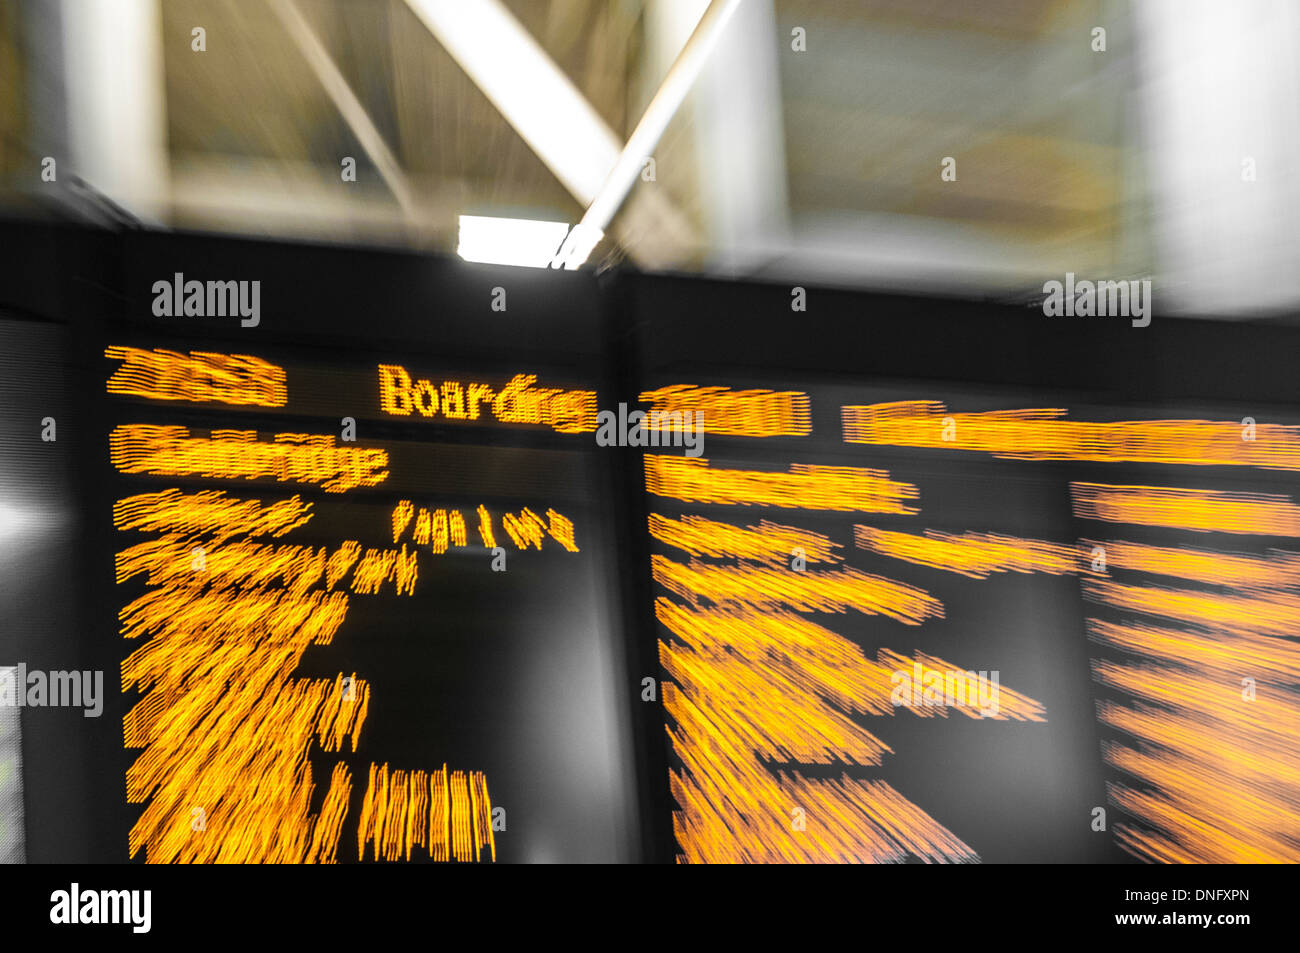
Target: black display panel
[[386, 557], [336, 625], [940, 581]]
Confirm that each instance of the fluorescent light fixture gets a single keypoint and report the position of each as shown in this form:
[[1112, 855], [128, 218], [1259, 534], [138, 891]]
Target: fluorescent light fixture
[[510, 241]]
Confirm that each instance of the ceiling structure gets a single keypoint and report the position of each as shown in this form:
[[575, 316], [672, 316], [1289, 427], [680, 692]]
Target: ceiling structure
[[810, 147]]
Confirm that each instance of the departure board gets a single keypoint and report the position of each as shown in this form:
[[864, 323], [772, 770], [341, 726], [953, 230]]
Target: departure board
[[375, 557], [901, 621], [361, 596]]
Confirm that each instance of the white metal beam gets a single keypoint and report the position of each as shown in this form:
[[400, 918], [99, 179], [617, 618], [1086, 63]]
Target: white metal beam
[[554, 118], [113, 69], [690, 61], [527, 87], [353, 112]]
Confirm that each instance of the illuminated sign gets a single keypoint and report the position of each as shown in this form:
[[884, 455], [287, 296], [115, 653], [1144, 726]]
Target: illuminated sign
[[257, 561], [519, 401], [783, 709]]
